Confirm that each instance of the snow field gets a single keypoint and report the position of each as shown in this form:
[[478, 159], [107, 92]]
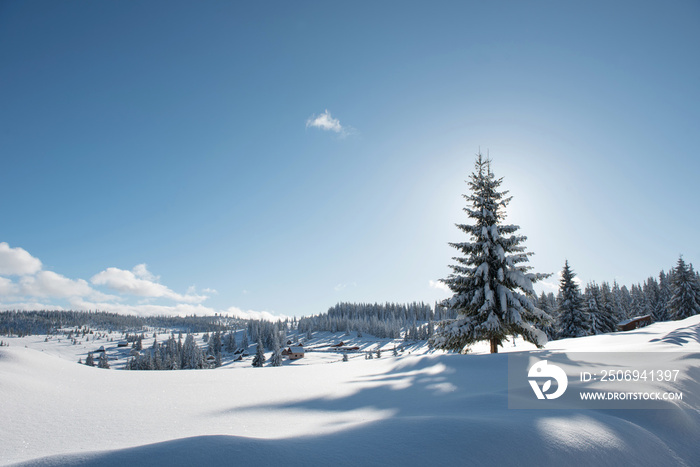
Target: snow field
[[418, 409]]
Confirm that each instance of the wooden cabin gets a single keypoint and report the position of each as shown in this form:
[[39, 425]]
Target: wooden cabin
[[634, 323], [294, 352]]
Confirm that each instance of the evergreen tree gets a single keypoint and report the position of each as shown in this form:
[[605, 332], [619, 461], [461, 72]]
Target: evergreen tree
[[493, 293], [661, 312], [572, 320], [652, 294], [259, 358], [601, 321], [103, 363], [544, 304], [685, 290], [192, 355], [607, 306], [276, 359], [618, 310], [230, 345], [626, 310], [215, 344], [638, 305]]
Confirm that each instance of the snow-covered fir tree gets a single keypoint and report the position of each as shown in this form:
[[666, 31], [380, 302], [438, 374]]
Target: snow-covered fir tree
[[625, 300], [493, 293], [599, 316], [651, 296], [230, 342], [192, 356], [548, 304], [571, 317], [607, 305], [215, 344], [685, 291], [103, 363], [90, 360], [276, 359], [661, 312], [259, 358]]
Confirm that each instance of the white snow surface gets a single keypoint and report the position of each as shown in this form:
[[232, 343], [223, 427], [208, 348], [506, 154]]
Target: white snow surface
[[415, 409]]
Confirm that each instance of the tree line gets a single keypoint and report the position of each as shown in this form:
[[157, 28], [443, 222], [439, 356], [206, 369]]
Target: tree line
[[599, 308], [24, 323], [387, 320]]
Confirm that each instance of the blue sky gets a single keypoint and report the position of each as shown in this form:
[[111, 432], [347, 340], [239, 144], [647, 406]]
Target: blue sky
[[279, 157]]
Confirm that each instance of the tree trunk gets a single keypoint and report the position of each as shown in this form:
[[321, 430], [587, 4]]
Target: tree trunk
[[494, 345]]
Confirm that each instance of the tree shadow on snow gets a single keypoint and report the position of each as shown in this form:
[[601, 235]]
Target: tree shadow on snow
[[681, 336], [441, 410]]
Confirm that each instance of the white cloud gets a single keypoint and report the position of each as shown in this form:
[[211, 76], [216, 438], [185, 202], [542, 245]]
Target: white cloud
[[439, 285], [142, 272], [326, 122], [7, 287], [17, 261], [50, 284], [140, 282], [340, 287], [78, 294], [550, 286], [251, 314]]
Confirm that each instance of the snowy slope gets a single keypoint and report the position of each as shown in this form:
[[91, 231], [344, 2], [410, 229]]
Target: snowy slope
[[407, 410]]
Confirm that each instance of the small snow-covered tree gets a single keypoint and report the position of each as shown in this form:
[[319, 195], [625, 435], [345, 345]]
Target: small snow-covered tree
[[90, 360], [685, 291], [493, 293], [572, 320], [259, 358], [103, 363], [276, 359]]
